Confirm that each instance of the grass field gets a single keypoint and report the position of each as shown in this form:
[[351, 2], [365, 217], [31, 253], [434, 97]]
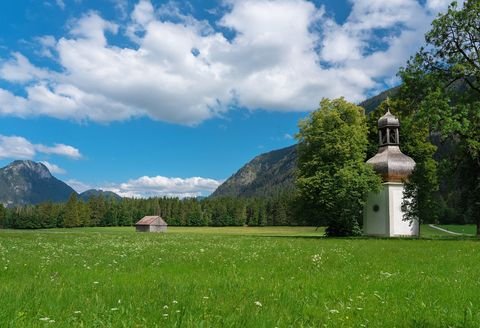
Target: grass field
[[469, 229], [235, 277]]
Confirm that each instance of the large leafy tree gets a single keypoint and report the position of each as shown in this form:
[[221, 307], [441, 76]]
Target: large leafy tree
[[332, 177], [443, 82]]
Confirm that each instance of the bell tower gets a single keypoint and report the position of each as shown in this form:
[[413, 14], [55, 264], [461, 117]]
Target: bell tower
[[383, 214]]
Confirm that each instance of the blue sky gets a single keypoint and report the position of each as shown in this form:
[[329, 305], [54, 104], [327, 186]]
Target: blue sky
[[170, 98]]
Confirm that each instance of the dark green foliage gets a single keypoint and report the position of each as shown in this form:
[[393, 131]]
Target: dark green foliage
[[100, 211], [87, 195], [442, 88], [333, 178]]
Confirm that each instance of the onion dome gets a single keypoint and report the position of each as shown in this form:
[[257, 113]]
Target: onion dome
[[388, 120], [389, 162]]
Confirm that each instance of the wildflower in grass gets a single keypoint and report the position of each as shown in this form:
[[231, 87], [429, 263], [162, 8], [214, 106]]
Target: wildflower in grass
[[317, 259], [178, 311], [205, 297], [51, 321], [334, 311], [77, 312], [257, 303], [44, 319], [165, 315], [165, 306], [174, 302], [114, 309], [95, 282], [386, 274]]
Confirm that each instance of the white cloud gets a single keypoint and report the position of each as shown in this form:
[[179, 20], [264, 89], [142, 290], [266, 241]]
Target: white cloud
[[156, 186], [47, 45], [19, 69], [60, 149], [143, 13], [164, 186], [53, 168], [440, 5], [15, 147], [286, 55]]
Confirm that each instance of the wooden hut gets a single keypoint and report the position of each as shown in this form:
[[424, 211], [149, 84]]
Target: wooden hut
[[151, 224]]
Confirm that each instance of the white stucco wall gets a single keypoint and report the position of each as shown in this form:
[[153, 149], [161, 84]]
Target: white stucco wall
[[388, 219], [375, 223]]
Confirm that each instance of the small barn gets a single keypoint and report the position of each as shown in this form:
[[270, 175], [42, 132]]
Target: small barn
[[151, 224]]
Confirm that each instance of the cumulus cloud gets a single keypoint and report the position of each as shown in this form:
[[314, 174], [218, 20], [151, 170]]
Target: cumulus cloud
[[285, 56], [15, 147], [164, 186], [156, 186], [19, 69], [60, 149], [53, 168]]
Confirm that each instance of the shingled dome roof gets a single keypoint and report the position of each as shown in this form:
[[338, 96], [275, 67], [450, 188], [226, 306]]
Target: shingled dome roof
[[388, 120], [391, 164]]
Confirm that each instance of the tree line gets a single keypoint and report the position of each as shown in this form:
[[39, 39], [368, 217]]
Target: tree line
[[101, 211]]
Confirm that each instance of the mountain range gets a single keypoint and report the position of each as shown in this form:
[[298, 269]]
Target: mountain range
[[24, 182]]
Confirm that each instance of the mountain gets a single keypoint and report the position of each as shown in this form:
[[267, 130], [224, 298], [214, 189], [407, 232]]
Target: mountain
[[86, 195], [27, 182], [266, 175], [272, 173]]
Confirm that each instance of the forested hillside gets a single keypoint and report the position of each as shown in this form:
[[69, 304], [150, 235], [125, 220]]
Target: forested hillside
[[266, 175]]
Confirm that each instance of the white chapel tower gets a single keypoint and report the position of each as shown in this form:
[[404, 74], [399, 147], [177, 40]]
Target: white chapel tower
[[383, 215]]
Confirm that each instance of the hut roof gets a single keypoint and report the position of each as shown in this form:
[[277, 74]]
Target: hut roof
[[151, 220]]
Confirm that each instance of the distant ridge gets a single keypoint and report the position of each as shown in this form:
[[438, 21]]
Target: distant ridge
[[266, 175], [86, 195]]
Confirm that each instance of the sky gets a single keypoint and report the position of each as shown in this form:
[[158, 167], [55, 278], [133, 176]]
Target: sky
[[170, 98]]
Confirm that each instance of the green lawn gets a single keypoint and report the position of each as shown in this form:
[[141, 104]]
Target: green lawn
[[235, 277], [468, 229]]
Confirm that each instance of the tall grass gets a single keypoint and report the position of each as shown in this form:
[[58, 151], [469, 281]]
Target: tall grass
[[281, 277]]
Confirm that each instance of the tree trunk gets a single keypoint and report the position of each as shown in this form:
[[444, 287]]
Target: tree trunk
[[478, 228]]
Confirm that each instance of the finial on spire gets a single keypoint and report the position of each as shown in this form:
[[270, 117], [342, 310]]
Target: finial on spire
[[387, 101]]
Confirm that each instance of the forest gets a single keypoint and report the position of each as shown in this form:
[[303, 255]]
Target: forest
[[100, 211]]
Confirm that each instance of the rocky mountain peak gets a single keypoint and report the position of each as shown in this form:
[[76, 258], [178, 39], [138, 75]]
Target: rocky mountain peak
[[29, 167], [26, 182]]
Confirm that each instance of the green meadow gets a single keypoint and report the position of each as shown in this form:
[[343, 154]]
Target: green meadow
[[236, 277]]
